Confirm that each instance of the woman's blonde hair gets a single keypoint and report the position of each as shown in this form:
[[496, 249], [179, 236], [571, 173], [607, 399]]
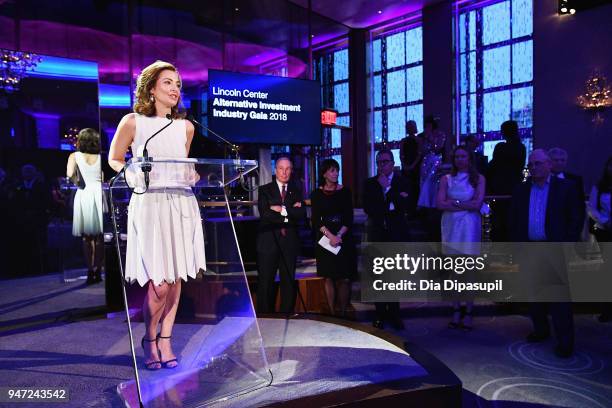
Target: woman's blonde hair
[[145, 82]]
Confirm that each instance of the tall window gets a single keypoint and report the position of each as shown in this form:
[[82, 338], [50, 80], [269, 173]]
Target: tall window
[[331, 69], [396, 67], [495, 69]]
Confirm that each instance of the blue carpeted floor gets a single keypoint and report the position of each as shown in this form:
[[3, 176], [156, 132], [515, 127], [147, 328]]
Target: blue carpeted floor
[[46, 341]]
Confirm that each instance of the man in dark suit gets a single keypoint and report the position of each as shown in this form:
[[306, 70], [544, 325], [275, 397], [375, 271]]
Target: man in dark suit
[[280, 210], [386, 200], [547, 209], [504, 172], [473, 142], [411, 157], [558, 157]]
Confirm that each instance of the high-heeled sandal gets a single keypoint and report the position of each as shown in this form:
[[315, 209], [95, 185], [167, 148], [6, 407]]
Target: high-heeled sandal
[[164, 364], [151, 364]]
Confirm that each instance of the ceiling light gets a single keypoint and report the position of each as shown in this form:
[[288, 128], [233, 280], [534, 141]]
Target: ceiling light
[[379, 11], [564, 9], [572, 11]]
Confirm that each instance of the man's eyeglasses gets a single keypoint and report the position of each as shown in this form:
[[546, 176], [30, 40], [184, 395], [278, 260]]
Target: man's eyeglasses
[[383, 162]]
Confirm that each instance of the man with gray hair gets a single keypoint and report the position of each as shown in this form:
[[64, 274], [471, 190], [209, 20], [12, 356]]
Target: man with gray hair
[[280, 211], [546, 209]]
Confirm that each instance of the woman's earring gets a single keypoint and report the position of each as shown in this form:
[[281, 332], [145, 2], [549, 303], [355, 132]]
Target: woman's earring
[[152, 98]]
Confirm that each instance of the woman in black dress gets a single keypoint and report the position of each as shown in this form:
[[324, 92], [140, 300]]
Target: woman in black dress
[[332, 217]]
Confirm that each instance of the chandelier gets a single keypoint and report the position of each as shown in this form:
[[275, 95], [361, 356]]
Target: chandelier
[[70, 137], [13, 67], [597, 96]]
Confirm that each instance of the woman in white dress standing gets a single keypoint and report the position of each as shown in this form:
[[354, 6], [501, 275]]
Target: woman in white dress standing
[[460, 198], [165, 239], [85, 168]]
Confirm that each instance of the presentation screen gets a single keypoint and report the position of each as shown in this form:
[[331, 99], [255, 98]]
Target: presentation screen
[[246, 108]]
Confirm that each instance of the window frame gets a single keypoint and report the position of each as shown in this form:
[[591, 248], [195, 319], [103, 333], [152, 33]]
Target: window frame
[[480, 91]]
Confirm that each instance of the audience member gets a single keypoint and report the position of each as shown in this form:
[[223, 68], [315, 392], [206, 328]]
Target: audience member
[[280, 210], [385, 200], [473, 143], [546, 209], [410, 155], [432, 168], [332, 217], [459, 198], [599, 211], [504, 173], [558, 157]]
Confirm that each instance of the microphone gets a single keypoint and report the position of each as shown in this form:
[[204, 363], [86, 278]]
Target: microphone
[[232, 146], [146, 166]]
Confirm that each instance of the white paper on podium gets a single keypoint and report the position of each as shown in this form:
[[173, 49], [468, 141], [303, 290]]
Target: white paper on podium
[[324, 242]]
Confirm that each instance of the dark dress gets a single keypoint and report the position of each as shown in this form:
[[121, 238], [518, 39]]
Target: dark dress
[[333, 210]]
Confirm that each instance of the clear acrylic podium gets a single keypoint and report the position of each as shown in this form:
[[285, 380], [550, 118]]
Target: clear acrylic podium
[[216, 337]]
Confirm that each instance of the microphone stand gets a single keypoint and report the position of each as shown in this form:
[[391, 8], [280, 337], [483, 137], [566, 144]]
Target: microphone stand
[[234, 148], [146, 166]]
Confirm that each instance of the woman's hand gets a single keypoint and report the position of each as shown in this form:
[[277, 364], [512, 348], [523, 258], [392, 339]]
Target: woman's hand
[[335, 240], [192, 175]]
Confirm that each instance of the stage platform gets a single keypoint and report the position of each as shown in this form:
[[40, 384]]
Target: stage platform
[[316, 363]]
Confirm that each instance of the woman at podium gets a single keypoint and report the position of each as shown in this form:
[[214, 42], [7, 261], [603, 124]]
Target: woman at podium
[[165, 239]]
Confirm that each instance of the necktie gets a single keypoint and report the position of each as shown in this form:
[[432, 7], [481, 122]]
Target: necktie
[[283, 195]]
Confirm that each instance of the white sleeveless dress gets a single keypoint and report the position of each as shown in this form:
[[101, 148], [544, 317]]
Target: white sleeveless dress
[[87, 207], [461, 227], [165, 237]]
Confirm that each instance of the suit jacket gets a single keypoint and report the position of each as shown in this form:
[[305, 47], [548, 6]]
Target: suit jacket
[[271, 222], [577, 180], [383, 224], [505, 170], [564, 218]]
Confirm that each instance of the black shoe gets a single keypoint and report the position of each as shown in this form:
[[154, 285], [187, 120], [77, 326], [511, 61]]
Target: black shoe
[[379, 324], [563, 352], [97, 276], [537, 337], [90, 278]]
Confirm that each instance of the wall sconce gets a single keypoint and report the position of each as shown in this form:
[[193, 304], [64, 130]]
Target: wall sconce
[[597, 96]]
